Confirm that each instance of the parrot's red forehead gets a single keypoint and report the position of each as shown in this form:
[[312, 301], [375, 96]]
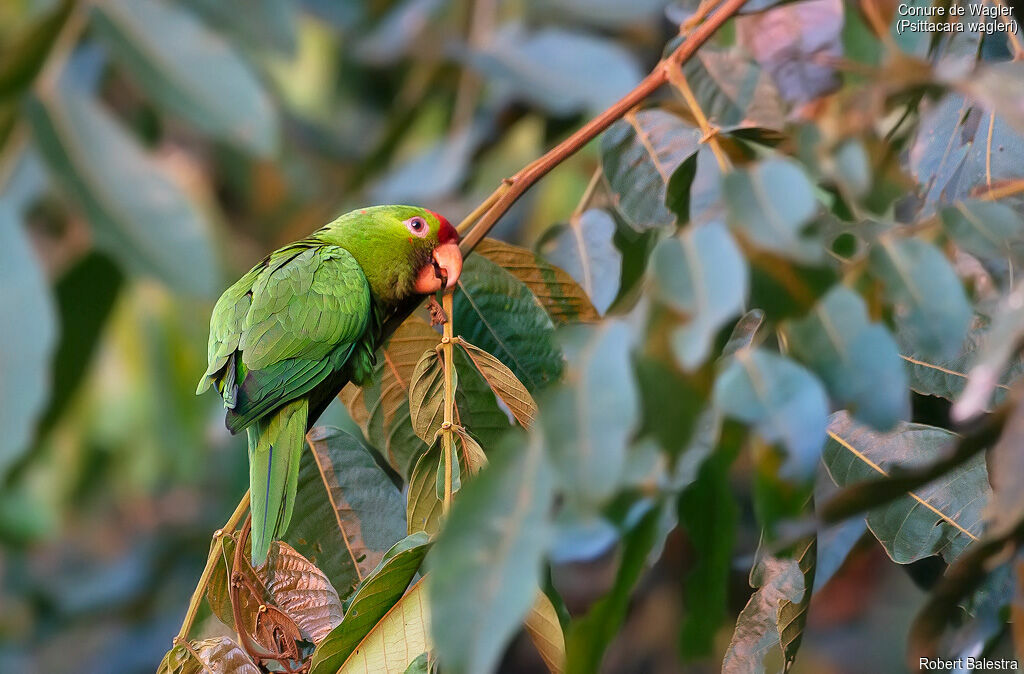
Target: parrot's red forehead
[[445, 232]]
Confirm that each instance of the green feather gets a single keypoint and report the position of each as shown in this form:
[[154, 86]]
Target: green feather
[[275, 448]]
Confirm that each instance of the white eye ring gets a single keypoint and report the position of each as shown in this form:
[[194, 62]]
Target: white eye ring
[[417, 226]]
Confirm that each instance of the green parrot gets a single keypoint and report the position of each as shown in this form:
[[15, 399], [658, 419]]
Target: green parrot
[[305, 320]]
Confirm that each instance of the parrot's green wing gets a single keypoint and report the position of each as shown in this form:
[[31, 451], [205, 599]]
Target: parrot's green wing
[[285, 327]]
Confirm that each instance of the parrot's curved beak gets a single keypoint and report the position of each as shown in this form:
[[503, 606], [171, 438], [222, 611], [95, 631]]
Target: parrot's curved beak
[[445, 267]]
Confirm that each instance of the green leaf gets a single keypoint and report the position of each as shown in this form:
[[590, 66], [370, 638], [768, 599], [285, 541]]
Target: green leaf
[[504, 384], [497, 312], [770, 222], [639, 154], [590, 634], [702, 274], [219, 654], [784, 402], [381, 408], [189, 70], [423, 507], [439, 486], [941, 518], [989, 230], [22, 59], [484, 570], [946, 377], [757, 629], [401, 636], [784, 289], [267, 23], [858, 361], [930, 305], [140, 214], [426, 396], [559, 70], [588, 423], [302, 591], [585, 249], [376, 595], [420, 665], [835, 542], [564, 300], [347, 511], [27, 342], [709, 513]]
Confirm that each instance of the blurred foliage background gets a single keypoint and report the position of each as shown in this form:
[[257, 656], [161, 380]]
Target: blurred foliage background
[[150, 152]]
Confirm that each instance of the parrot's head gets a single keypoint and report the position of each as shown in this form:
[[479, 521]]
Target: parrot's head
[[403, 250]]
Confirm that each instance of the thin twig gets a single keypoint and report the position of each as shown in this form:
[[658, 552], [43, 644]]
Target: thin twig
[[447, 433], [211, 564], [708, 131], [588, 193]]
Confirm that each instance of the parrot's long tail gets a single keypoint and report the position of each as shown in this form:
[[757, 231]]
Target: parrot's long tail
[[275, 448]]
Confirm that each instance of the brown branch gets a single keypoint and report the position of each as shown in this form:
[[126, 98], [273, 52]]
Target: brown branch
[[480, 222], [211, 563]]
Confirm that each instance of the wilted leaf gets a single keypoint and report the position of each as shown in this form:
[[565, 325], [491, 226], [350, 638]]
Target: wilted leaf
[[1006, 459], [302, 591], [564, 300], [218, 589], [859, 361], [757, 629], [941, 518], [559, 70], [590, 634], [426, 395], [702, 274], [497, 312], [773, 223], [504, 384], [220, 655], [639, 154], [998, 352], [189, 70], [734, 91], [798, 44], [27, 341], [793, 614], [401, 636], [485, 565], [381, 408], [376, 595], [784, 402], [585, 249], [588, 421], [139, 213], [546, 633], [930, 304], [347, 511], [744, 332]]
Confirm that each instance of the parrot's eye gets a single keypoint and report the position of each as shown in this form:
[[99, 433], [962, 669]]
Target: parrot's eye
[[417, 226]]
